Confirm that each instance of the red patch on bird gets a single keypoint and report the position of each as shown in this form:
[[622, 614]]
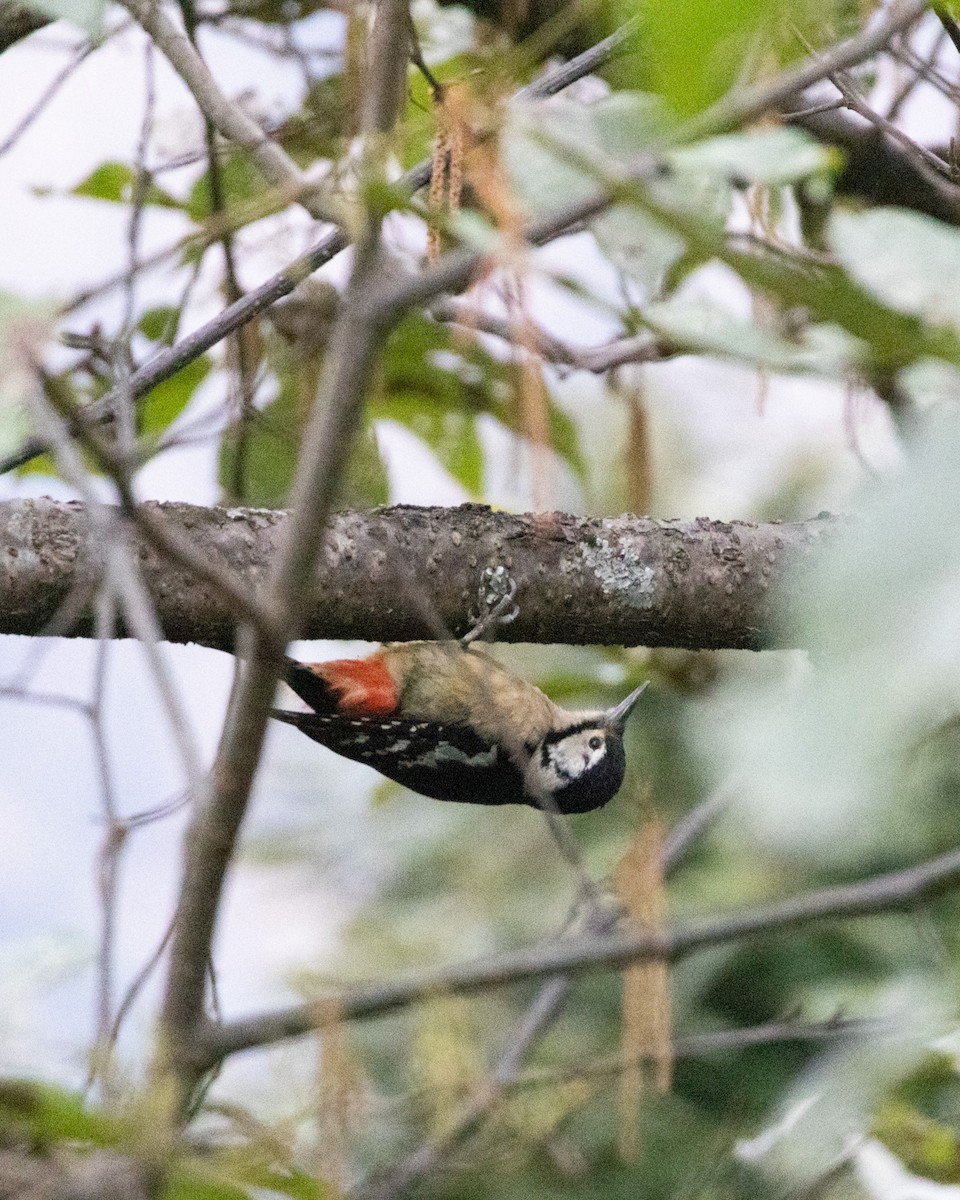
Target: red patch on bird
[[364, 686]]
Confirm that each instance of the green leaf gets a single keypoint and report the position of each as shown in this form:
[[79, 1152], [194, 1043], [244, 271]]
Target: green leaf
[[547, 146], [240, 182], [770, 156], [694, 52], [430, 376], [638, 245], [451, 435], [51, 1116], [270, 445], [895, 339], [25, 328], [907, 260], [160, 324], [168, 399], [703, 328], [365, 483], [116, 182], [550, 148]]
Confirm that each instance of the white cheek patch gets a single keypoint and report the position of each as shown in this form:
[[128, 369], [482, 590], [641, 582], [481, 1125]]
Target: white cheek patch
[[570, 759]]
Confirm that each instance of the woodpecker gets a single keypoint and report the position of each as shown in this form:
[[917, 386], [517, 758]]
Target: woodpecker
[[448, 721]]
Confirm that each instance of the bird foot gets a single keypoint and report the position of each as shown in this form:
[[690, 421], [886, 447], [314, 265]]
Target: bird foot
[[495, 603]]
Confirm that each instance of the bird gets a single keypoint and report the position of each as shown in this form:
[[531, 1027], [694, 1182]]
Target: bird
[[448, 721]]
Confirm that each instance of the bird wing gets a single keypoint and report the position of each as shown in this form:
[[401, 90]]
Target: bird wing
[[444, 762]]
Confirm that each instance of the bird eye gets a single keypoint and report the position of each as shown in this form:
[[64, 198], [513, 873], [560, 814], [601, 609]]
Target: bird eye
[[595, 742]]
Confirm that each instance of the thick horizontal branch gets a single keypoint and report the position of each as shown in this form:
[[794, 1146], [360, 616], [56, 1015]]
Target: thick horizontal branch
[[403, 573], [895, 891]]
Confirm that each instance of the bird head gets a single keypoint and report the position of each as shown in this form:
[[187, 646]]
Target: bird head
[[580, 766]]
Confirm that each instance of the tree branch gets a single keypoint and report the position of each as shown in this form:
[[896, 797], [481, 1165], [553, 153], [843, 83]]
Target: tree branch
[[892, 892], [457, 269], [334, 418], [167, 362], [229, 118], [536, 1019], [618, 580]]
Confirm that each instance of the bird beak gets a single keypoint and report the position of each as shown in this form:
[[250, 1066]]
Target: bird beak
[[618, 715]]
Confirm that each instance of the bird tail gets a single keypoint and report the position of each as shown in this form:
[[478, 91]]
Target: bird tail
[[349, 687], [313, 688], [305, 721]]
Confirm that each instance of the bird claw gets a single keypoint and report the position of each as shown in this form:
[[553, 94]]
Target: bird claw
[[495, 596]]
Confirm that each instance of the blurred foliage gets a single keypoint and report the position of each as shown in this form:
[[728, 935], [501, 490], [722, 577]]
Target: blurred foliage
[[844, 762], [116, 182], [87, 14]]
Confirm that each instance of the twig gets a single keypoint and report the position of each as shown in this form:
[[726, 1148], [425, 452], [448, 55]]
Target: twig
[[229, 118], [172, 542], [727, 1041], [643, 347], [951, 28], [536, 1019], [108, 864], [244, 366], [46, 96], [121, 357], [896, 891], [926, 157], [137, 984], [916, 77], [906, 55], [744, 105], [122, 574], [348, 368]]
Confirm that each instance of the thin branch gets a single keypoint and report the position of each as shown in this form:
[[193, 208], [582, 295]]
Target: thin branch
[[742, 106], [640, 348], [687, 832], [122, 574], [727, 1041], [457, 269], [747, 104], [925, 157], [893, 892], [167, 362], [229, 118], [561, 77], [878, 170], [348, 370], [55, 84], [172, 542], [243, 402], [536, 1019], [910, 85]]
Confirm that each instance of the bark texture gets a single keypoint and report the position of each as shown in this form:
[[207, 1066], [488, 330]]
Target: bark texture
[[406, 572]]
